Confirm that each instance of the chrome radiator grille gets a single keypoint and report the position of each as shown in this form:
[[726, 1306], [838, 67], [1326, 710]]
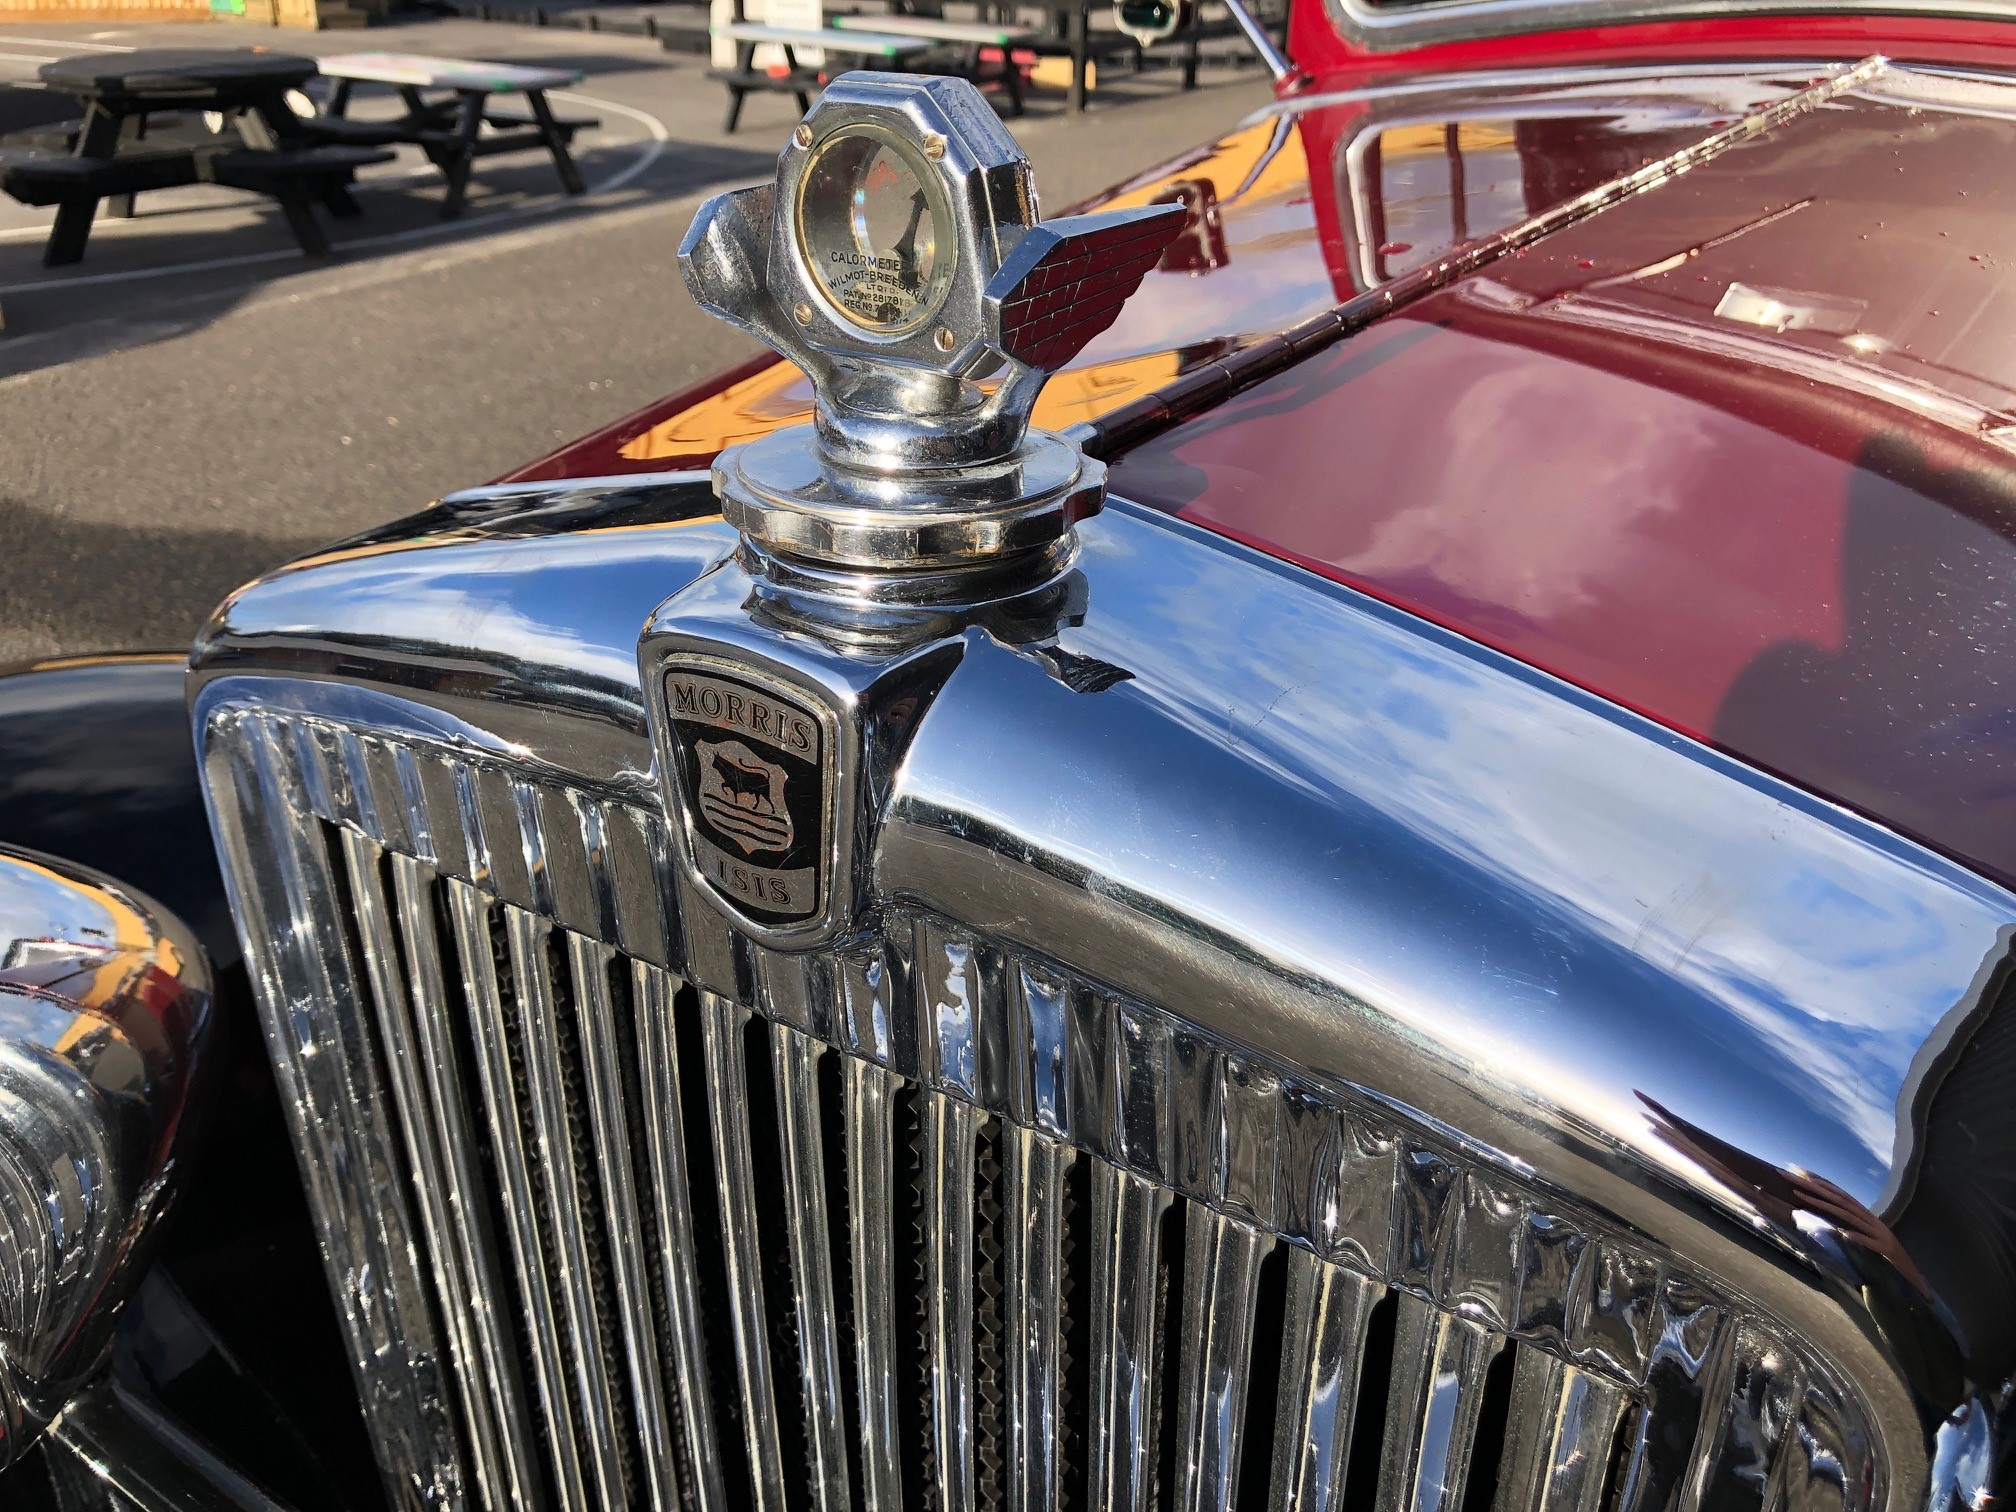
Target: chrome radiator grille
[[926, 1223]]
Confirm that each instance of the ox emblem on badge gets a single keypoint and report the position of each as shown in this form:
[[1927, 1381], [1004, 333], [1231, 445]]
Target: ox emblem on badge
[[752, 779], [742, 796]]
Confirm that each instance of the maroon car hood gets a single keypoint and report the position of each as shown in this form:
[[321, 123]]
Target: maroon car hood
[[1738, 452]]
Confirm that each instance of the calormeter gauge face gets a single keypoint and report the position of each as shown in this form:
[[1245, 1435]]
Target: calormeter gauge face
[[874, 229]]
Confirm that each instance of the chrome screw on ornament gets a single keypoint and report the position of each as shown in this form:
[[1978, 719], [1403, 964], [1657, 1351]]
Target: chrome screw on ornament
[[899, 260]]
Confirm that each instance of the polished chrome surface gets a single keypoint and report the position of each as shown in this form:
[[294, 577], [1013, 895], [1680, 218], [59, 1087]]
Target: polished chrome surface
[[1323, 1346], [1127, 1216], [671, 1175], [477, 1267], [871, 1164], [1452, 983], [114, 1449], [496, 1449], [1439, 1364], [601, 1038], [104, 1030], [951, 1132], [1562, 1422], [777, 493], [535, 1283], [724, 1026], [1034, 1304], [1221, 1272], [910, 465], [1063, 1078], [559, 1158], [815, 1315], [319, 1034]]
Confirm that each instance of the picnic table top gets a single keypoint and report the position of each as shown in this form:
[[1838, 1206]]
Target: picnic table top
[[468, 74], [934, 28], [868, 44], [176, 72]]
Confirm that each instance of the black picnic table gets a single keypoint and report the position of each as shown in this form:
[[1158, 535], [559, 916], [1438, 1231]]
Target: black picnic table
[[450, 130], [108, 161]]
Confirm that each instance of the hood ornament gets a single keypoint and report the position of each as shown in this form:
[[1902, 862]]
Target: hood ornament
[[899, 260]]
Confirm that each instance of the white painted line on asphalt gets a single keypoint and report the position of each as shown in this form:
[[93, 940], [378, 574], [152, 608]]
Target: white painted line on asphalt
[[659, 136], [31, 57], [80, 45], [652, 150]]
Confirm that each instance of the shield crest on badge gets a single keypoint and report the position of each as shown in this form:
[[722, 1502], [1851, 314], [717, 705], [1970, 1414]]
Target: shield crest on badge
[[742, 796], [750, 763]]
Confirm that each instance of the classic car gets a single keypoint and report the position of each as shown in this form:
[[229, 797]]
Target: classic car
[[1336, 833]]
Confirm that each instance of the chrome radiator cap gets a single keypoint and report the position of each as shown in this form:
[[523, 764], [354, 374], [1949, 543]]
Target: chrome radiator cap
[[898, 259]]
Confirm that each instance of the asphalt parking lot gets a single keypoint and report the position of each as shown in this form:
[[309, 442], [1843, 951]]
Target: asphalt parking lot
[[196, 403]]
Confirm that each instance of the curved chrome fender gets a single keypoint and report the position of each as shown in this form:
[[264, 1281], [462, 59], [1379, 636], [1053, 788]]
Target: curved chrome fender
[[104, 1016]]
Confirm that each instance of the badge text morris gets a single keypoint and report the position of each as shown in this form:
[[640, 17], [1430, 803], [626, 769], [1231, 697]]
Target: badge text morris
[[753, 782]]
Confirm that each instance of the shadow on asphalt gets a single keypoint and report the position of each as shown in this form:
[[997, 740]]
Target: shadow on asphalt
[[56, 320], [126, 586]]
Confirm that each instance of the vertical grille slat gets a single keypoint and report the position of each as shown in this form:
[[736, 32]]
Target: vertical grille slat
[[529, 938], [431, 1116], [1036, 1170], [672, 1174], [1221, 1283], [1440, 1363], [1559, 1431], [1126, 1227], [1687, 1362], [870, 1092], [542, 1319], [722, 1024], [491, 1320], [952, 1131], [609, 1122], [1322, 1352], [802, 1139]]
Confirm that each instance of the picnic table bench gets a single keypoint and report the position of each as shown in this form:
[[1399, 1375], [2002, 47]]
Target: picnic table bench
[[744, 78], [450, 130], [109, 155], [973, 35]]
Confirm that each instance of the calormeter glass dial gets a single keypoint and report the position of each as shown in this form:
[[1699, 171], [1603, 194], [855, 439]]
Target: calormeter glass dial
[[875, 230]]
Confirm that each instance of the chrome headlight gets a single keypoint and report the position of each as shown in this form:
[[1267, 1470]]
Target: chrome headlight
[[104, 1012]]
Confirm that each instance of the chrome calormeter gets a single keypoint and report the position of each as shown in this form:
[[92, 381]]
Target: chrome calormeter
[[899, 260], [874, 229]]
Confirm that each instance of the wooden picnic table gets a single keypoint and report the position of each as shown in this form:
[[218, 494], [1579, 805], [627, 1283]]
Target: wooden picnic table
[[745, 78], [450, 131], [973, 35], [979, 33], [1069, 22], [268, 153]]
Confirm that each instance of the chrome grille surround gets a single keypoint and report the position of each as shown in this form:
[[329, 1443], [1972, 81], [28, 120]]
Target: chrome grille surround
[[370, 854]]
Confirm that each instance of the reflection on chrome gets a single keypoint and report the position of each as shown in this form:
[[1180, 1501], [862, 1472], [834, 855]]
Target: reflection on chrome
[[104, 1017], [1341, 985]]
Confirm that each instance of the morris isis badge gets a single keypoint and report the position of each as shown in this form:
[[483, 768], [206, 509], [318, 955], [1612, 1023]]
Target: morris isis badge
[[755, 786]]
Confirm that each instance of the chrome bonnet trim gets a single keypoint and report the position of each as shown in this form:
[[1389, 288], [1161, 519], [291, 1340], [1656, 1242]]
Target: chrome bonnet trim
[[1573, 952]]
